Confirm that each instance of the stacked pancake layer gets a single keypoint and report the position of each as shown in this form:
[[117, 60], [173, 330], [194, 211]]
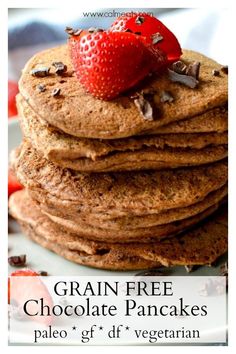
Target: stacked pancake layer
[[109, 189]]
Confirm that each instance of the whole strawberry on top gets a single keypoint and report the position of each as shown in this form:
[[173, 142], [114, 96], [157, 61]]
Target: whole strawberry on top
[[108, 63]]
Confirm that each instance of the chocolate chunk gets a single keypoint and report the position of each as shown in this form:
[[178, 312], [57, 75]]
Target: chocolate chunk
[[95, 30], [40, 72], [41, 88], [128, 30], [60, 67], [186, 80], [139, 20], [138, 33], [225, 69], [215, 72], [193, 70], [42, 273], [166, 96], [72, 32], [156, 38], [144, 107], [56, 92], [17, 261], [179, 67]]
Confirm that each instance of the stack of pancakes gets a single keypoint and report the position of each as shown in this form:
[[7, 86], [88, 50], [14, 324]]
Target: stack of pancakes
[[112, 187]]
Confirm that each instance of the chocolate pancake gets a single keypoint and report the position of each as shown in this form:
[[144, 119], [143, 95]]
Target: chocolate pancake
[[76, 112], [136, 224], [145, 234], [214, 120], [138, 153], [133, 193], [200, 246]]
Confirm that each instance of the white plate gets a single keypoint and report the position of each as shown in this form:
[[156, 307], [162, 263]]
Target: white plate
[[39, 258]]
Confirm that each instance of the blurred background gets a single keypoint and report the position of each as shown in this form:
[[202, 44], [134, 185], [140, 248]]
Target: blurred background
[[31, 30]]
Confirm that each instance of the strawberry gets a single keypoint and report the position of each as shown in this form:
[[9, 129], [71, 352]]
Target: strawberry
[[22, 272], [13, 184], [20, 292], [155, 32], [108, 63], [12, 92]]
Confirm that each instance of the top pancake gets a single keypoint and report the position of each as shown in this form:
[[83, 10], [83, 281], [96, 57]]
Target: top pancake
[[78, 113]]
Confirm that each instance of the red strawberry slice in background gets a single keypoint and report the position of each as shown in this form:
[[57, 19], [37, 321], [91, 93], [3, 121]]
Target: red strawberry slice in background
[[21, 291], [13, 184], [155, 32], [12, 92], [108, 63]]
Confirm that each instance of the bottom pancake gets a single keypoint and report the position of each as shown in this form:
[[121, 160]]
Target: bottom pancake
[[199, 246], [111, 259]]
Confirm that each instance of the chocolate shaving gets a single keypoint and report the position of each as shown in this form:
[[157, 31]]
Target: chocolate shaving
[[215, 72], [56, 92], [70, 31], [41, 88], [166, 96], [193, 70], [60, 67], [156, 38], [77, 32], [139, 20], [95, 30], [40, 72], [138, 33], [42, 273], [17, 261], [183, 79], [225, 69], [179, 67], [144, 107]]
